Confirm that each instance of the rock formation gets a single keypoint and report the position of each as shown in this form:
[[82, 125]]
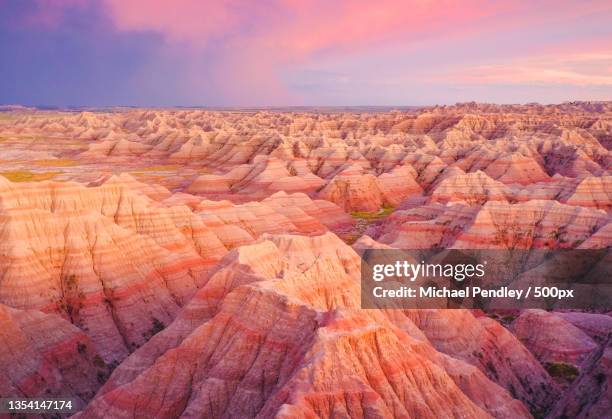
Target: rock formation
[[186, 262]]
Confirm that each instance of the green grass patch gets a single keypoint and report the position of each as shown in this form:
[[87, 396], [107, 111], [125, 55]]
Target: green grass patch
[[363, 219], [27, 176], [375, 215], [562, 370]]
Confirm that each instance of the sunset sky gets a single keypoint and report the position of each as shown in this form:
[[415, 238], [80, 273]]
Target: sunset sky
[[299, 52]]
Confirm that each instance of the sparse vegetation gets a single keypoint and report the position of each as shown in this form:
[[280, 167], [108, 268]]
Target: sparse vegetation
[[99, 362], [72, 299], [28, 176], [364, 218], [156, 327], [102, 376], [556, 234], [562, 370], [375, 215], [103, 370], [70, 281], [81, 347], [512, 236], [491, 369]]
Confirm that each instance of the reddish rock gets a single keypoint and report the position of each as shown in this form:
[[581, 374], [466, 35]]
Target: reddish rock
[[551, 338], [43, 355]]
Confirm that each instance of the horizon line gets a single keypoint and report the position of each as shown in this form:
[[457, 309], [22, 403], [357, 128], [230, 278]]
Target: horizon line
[[43, 107]]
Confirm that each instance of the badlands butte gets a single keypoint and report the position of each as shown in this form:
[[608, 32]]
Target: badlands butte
[[195, 263]]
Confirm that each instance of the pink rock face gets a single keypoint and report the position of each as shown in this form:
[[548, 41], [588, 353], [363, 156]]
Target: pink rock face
[[532, 224], [516, 168], [306, 328], [493, 349], [45, 356], [191, 263], [593, 192], [116, 263], [597, 326], [355, 191], [108, 259], [474, 187]]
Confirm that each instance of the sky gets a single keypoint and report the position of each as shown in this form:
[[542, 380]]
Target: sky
[[303, 52]]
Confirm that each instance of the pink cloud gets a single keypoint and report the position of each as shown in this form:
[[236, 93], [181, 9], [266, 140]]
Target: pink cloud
[[258, 40], [300, 26], [579, 69]]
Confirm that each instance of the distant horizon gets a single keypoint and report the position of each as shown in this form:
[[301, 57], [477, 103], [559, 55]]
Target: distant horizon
[[282, 107]]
